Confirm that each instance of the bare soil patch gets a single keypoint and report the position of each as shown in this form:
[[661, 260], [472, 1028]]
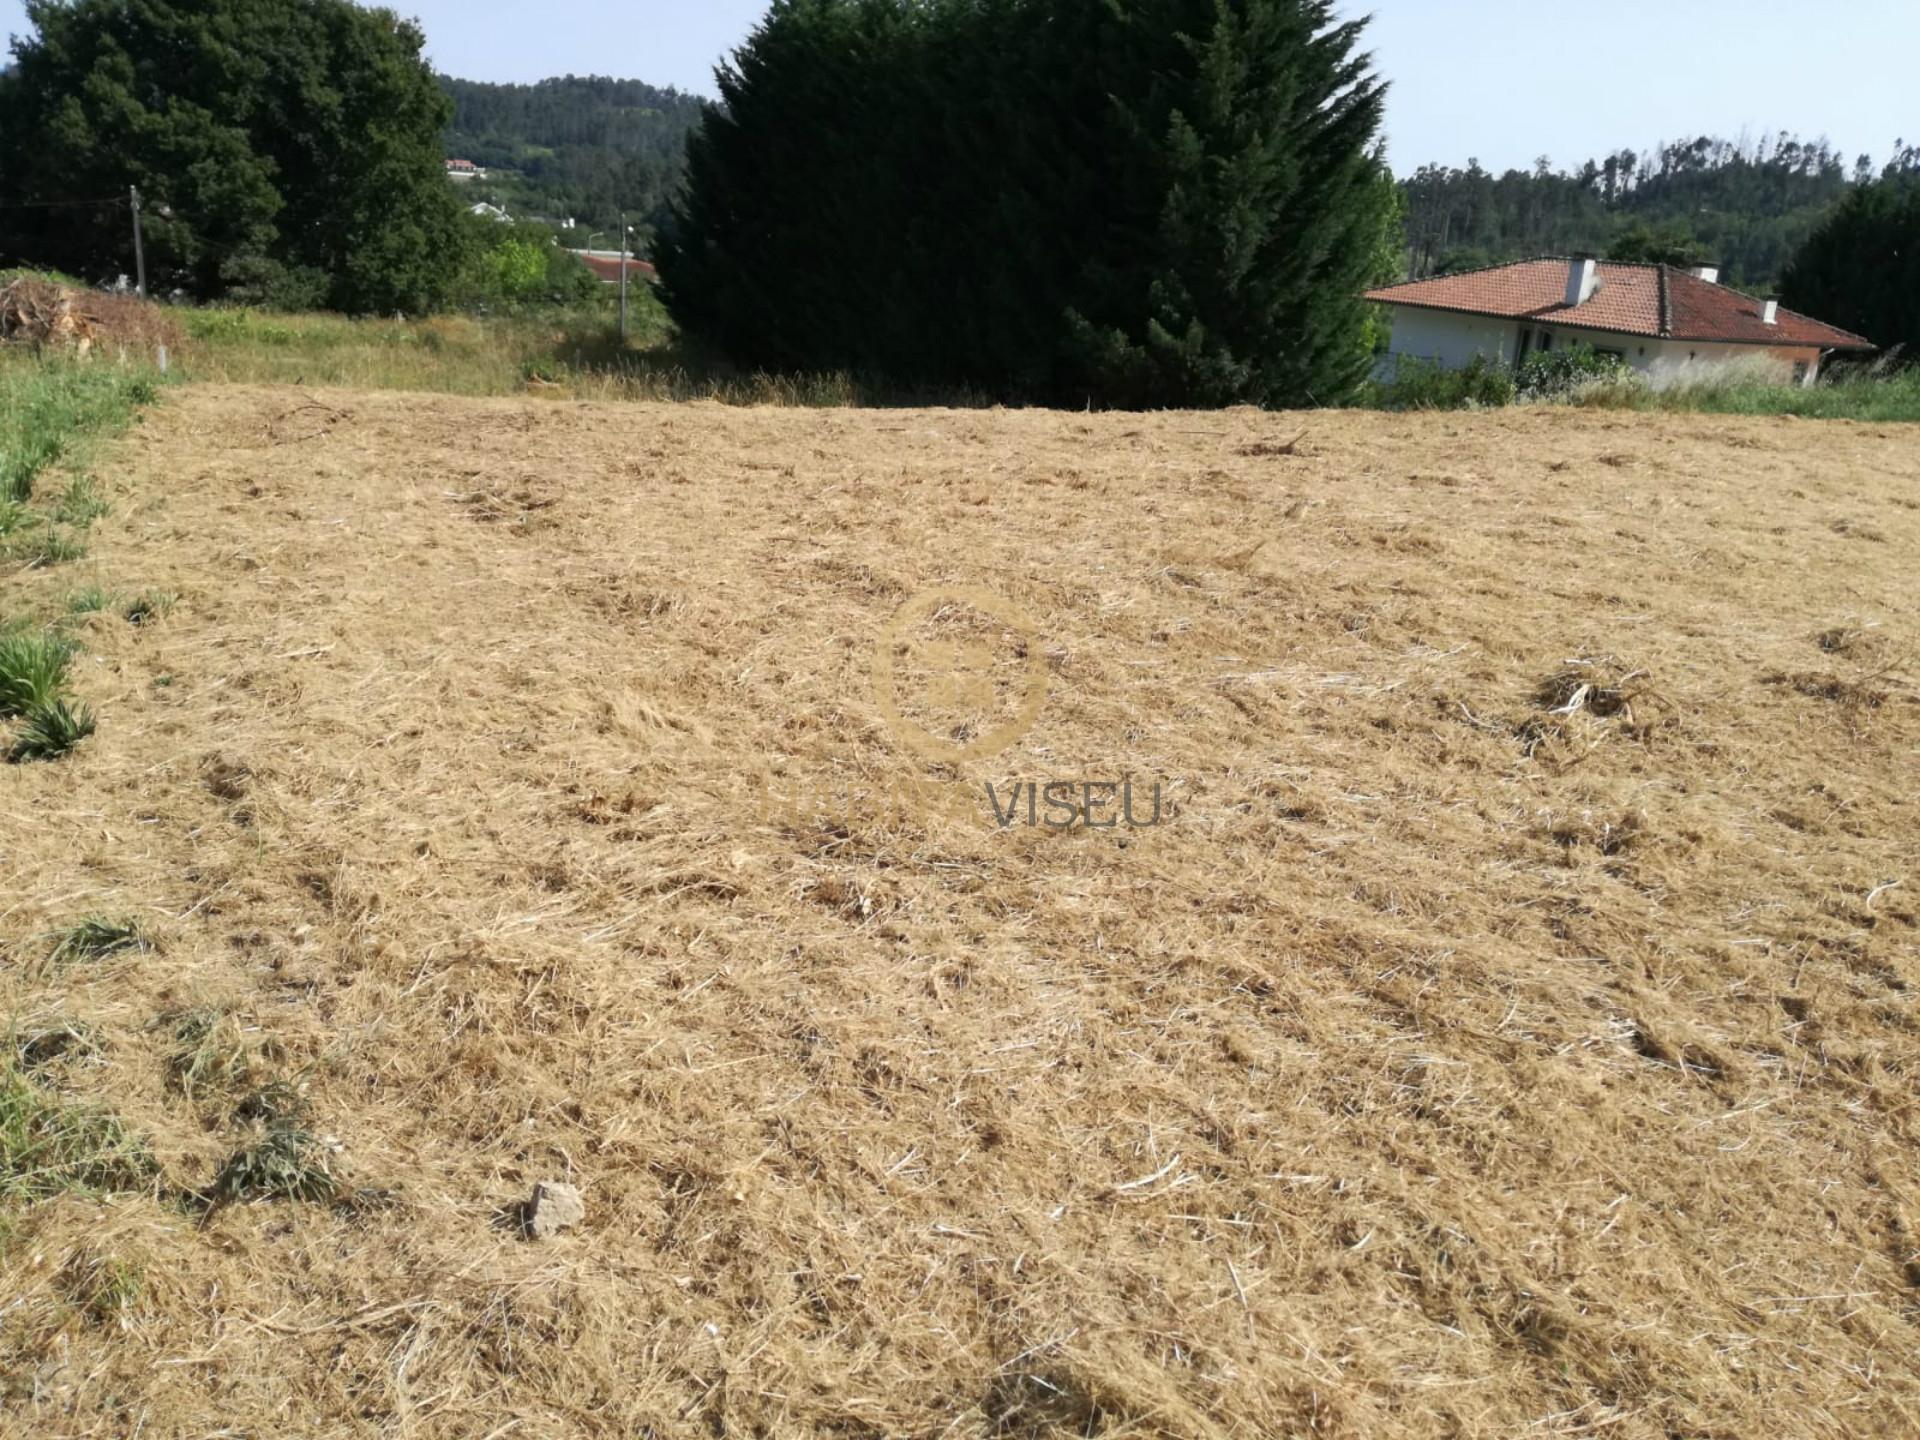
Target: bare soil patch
[[1509, 1029]]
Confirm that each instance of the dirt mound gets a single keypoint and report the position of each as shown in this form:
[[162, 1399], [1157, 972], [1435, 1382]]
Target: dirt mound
[[43, 313], [1507, 1030]]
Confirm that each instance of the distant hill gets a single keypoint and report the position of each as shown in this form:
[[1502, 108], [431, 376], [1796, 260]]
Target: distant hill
[[585, 147], [1746, 206], [580, 147]]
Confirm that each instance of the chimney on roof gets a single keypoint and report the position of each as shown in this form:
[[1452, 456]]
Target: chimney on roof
[[1583, 278], [1708, 273], [1770, 313]]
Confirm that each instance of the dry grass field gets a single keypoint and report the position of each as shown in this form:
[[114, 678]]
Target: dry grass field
[[1508, 1030]]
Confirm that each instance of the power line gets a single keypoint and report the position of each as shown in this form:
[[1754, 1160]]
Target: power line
[[58, 204]]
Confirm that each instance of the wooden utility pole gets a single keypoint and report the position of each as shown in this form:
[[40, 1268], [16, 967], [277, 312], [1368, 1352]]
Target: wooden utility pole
[[139, 249], [623, 278]]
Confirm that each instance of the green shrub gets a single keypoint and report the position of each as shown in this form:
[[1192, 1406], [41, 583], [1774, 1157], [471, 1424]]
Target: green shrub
[[1426, 385], [1561, 374]]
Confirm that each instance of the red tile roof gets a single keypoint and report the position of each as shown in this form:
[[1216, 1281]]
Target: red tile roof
[[607, 267], [1657, 301]]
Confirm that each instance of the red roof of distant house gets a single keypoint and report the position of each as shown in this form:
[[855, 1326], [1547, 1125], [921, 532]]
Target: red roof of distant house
[[607, 267], [461, 165], [1657, 301]]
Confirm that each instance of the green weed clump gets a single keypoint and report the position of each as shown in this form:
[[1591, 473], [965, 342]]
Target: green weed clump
[[210, 1056], [49, 1145], [49, 731], [33, 670], [33, 680], [283, 1161], [147, 607], [95, 938], [81, 505]]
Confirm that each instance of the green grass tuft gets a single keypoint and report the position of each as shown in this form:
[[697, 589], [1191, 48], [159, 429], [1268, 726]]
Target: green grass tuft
[[145, 608], [286, 1161], [33, 670], [103, 1288], [42, 547], [209, 1056], [90, 601], [51, 730], [81, 505], [49, 1145], [95, 938], [55, 1042]]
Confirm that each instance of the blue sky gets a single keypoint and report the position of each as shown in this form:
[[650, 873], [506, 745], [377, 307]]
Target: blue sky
[[1503, 80]]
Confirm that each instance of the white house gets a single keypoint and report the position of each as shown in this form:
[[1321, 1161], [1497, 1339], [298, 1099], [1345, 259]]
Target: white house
[[1658, 318], [465, 170]]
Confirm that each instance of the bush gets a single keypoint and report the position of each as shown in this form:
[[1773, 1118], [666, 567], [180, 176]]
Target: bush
[[1562, 374], [519, 266], [1427, 385]]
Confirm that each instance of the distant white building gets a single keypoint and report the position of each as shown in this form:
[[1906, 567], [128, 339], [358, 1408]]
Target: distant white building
[[1660, 319], [465, 170], [490, 212]]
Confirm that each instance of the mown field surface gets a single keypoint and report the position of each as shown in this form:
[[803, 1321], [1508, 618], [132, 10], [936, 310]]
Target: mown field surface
[[1509, 1029]]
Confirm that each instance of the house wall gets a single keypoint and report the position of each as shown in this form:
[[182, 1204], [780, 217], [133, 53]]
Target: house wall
[[1453, 340], [1677, 359]]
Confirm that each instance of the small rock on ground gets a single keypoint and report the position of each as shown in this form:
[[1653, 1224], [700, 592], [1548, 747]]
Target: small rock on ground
[[555, 1207]]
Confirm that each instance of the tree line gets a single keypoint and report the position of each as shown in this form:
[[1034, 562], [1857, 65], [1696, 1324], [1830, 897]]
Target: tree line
[[1748, 206]]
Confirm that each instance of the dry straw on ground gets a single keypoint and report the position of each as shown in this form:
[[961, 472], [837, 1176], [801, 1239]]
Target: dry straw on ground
[[1510, 1032]]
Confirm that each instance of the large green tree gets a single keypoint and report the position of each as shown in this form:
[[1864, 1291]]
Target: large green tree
[[1861, 270], [1129, 202], [284, 149]]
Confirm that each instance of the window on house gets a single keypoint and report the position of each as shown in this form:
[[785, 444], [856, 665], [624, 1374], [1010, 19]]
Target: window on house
[[1546, 340], [1526, 344]]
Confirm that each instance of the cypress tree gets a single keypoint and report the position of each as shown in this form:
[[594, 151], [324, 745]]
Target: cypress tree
[[1129, 202], [1861, 270]]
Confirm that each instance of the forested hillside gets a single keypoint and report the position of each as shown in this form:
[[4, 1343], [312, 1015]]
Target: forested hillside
[[1748, 206], [584, 147]]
